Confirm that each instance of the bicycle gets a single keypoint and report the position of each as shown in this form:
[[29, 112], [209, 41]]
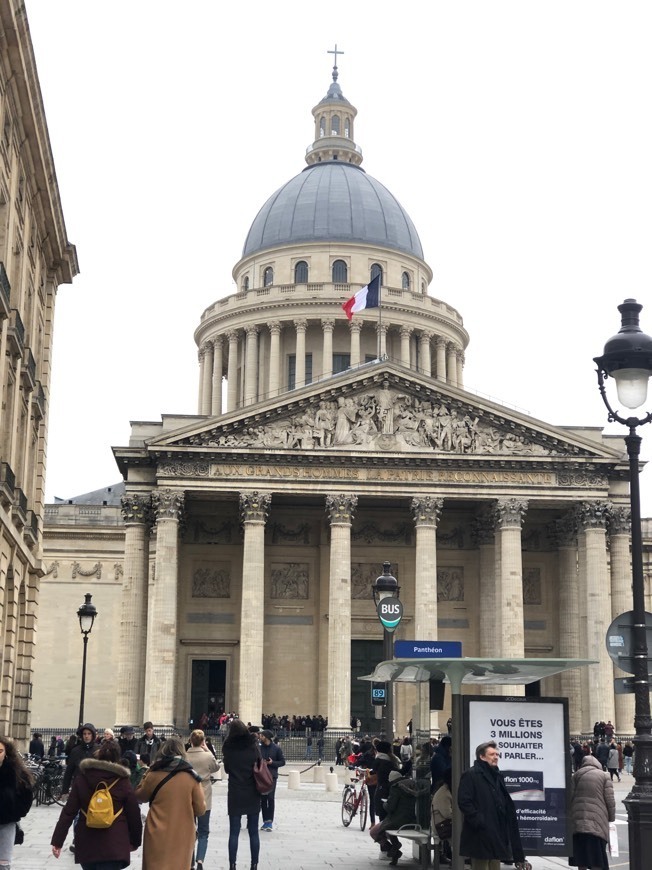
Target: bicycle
[[48, 781], [355, 799]]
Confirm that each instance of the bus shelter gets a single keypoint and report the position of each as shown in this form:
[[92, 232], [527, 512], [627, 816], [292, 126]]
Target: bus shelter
[[473, 715]]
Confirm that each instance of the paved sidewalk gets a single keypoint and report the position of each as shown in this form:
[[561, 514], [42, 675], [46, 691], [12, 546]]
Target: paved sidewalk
[[308, 834]]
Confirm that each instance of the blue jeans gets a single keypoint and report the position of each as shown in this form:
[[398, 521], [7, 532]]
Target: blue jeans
[[234, 833], [267, 804], [203, 824]]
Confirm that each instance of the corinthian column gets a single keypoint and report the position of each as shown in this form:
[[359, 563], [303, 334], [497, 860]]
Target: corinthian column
[[598, 705], [130, 683], [460, 369], [327, 355], [254, 507], [441, 359], [162, 637], [251, 364], [426, 511], [340, 509], [232, 372], [381, 333], [424, 353], [355, 326], [300, 357], [274, 357], [564, 531], [510, 513], [200, 398], [620, 520], [451, 365], [216, 403], [406, 332], [207, 381]]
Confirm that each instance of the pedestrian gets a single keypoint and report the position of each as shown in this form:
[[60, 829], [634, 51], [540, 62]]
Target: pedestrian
[[239, 753], [203, 761], [149, 742], [273, 758], [405, 754], [628, 756], [320, 748], [84, 749], [440, 761], [384, 763], [36, 747], [592, 807], [601, 752], [490, 832], [15, 797], [613, 762], [101, 848], [175, 796], [400, 810], [108, 734], [442, 816]]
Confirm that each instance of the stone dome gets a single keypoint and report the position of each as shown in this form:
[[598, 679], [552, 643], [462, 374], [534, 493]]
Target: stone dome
[[333, 201]]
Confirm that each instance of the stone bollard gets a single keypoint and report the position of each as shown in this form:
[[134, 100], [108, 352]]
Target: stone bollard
[[294, 779], [319, 774], [331, 782]]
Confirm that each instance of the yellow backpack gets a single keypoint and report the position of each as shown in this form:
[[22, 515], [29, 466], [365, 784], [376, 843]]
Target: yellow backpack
[[99, 813]]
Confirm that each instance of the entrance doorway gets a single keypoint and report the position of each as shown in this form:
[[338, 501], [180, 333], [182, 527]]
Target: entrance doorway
[[365, 655], [207, 689]]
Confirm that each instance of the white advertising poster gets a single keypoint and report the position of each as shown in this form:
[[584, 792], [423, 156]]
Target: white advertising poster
[[532, 737]]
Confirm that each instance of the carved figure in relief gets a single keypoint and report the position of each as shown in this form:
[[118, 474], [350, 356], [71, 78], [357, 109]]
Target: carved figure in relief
[[450, 584], [290, 580], [211, 583], [346, 415], [324, 424]]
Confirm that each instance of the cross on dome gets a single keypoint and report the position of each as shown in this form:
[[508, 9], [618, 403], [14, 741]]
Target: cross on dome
[[335, 52]]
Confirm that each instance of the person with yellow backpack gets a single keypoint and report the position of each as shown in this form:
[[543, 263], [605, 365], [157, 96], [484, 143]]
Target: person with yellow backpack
[[109, 826]]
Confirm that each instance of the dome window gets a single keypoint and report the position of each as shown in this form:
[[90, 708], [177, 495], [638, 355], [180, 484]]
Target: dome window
[[322, 126], [340, 272], [347, 127], [376, 269], [405, 281], [335, 125], [423, 287], [245, 283], [301, 272], [268, 277]]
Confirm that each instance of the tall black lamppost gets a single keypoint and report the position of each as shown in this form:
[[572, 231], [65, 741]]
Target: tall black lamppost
[[386, 586], [627, 358], [86, 615]]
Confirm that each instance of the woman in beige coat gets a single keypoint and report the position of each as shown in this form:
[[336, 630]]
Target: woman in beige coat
[[203, 761], [592, 807], [170, 826]]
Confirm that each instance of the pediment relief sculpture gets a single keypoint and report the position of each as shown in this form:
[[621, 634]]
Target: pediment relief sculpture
[[385, 419]]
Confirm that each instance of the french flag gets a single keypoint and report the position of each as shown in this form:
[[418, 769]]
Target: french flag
[[367, 297]]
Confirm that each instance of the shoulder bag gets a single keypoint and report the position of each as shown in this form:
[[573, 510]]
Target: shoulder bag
[[263, 778]]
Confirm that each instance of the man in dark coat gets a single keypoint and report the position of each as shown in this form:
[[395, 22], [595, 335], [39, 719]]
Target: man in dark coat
[[274, 758], [440, 762], [83, 750], [490, 830]]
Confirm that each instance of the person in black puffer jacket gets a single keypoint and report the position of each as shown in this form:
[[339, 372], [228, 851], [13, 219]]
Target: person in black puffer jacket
[[15, 796], [83, 750]]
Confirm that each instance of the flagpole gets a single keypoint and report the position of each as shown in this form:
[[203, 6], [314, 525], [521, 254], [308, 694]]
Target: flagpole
[[380, 317]]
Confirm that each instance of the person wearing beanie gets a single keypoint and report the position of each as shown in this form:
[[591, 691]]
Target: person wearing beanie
[[149, 743], [400, 809], [274, 758], [127, 739], [85, 749]]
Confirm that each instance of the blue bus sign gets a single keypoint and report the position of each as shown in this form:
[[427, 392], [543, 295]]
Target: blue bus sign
[[428, 649]]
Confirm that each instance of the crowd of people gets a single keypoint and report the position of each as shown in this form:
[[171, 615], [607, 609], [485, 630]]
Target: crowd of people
[[614, 757]]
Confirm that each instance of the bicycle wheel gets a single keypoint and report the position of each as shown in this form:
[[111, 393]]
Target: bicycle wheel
[[348, 805], [55, 790], [363, 808]]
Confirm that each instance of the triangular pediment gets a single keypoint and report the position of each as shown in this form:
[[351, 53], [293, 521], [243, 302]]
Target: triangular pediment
[[379, 410]]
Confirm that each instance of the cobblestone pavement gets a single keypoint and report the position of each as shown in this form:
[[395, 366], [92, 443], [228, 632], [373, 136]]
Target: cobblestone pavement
[[308, 834]]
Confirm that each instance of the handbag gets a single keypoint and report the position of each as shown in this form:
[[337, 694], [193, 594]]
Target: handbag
[[444, 829], [19, 836], [263, 778]]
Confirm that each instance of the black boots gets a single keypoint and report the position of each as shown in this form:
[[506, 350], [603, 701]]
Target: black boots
[[231, 866]]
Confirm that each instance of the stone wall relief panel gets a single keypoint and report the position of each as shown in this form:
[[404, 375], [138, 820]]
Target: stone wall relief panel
[[363, 576], [533, 585], [210, 579], [450, 583], [289, 582]]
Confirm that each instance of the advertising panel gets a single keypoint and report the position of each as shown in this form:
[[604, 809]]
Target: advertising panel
[[533, 740]]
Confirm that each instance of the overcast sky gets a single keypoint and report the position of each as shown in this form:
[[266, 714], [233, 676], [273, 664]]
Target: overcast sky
[[517, 135]]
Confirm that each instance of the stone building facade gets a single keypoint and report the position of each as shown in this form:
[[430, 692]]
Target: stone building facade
[[323, 447], [35, 258]]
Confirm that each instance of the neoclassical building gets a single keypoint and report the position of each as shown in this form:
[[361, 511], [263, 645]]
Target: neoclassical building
[[35, 258], [235, 568]]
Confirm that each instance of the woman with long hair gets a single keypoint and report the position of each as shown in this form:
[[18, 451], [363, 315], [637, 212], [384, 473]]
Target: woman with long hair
[[15, 796], [106, 848], [175, 796], [239, 752]]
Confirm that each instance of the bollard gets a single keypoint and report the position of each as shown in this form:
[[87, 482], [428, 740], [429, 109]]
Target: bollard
[[331, 782], [319, 774], [294, 779]]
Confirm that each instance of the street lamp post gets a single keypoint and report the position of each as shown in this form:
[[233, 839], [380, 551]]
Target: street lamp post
[[386, 586], [86, 615], [627, 358]]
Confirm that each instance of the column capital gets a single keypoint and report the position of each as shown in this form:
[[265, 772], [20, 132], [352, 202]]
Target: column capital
[[425, 336], [341, 508], [355, 326], [217, 343], [251, 329], [301, 325], [406, 331], [620, 520], [168, 504], [201, 352], [232, 336], [207, 347], [593, 514], [426, 510], [254, 506], [460, 355], [274, 327], [381, 329], [483, 526], [440, 341], [136, 508], [327, 324], [510, 512]]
